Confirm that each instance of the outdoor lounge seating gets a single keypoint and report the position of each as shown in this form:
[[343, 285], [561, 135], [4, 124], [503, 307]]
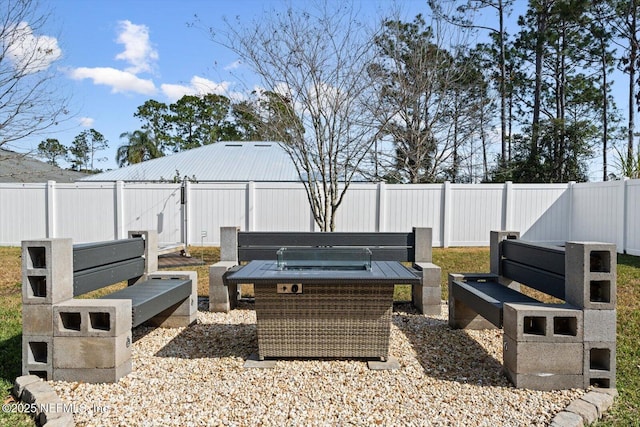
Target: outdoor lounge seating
[[238, 247], [89, 340], [569, 344]]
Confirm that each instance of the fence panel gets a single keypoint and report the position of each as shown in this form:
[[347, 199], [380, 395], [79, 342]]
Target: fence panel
[[359, 209], [154, 207], [23, 212], [280, 207], [632, 215], [459, 214], [473, 214], [597, 212], [85, 212], [418, 205], [540, 212], [212, 206]]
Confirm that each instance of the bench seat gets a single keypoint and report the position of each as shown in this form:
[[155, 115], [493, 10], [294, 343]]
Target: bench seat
[[150, 297], [487, 298]]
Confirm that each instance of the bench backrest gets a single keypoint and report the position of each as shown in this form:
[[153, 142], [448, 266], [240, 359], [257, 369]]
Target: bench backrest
[[384, 246], [100, 264], [538, 266]]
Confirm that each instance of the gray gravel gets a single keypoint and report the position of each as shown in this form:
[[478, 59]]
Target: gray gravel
[[194, 376]]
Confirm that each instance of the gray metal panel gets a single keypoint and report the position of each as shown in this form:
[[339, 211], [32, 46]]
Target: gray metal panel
[[152, 297], [383, 246], [95, 278], [544, 281], [223, 161], [487, 298], [90, 255], [544, 257], [276, 238]]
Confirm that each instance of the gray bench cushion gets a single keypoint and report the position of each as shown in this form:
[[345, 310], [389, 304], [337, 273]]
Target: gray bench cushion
[[487, 298], [153, 296]]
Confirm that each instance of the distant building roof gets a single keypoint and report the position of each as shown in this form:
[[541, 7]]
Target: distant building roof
[[225, 161], [19, 167]]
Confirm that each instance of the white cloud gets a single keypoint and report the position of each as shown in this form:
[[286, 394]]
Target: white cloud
[[137, 48], [86, 122], [30, 53], [234, 65], [120, 81], [200, 86]]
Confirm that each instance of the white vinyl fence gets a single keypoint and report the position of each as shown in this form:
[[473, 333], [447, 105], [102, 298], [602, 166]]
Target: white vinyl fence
[[460, 214]]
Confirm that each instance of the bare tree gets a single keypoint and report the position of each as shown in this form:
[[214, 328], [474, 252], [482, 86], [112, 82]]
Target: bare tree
[[315, 60], [29, 102]]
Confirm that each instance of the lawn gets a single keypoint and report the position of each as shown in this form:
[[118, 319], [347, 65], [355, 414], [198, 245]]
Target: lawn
[[625, 411]]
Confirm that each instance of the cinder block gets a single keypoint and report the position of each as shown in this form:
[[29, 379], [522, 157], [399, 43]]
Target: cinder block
[[221, 298], [590, 275], [189, 307], [93, 375], [539, 322], [600, 325], [150, 248], [37, 356], [600, 364], [229, 244], [47, 271], [427, 296], [92, 318], [37, 319], [423, 244], [91, 352], [542, 358], [545, 382]]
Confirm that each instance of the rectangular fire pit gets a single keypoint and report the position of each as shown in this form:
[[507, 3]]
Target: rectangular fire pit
[[323, 302]]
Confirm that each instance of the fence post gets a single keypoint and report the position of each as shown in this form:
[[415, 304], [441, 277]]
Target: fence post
[[250, 208], [507, 206], [382, 207], [571, 221], [51, 209], [121, 233], [446, 214], [625, 217]]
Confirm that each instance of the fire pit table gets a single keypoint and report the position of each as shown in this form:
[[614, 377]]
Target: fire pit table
[[323, 302]]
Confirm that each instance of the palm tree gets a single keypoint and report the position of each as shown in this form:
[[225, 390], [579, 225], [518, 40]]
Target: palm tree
[[140, 148]]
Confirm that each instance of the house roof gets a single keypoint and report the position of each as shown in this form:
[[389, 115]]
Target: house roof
[[225, 161], [20, 167]]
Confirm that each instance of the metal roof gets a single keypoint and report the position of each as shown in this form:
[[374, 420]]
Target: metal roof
[[224, 161]]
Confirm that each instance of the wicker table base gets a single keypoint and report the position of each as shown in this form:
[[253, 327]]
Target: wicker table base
[[327, 320]]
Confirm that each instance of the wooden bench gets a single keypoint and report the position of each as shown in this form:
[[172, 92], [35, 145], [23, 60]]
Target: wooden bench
[[567, 343], [238, 247], [89, 339]]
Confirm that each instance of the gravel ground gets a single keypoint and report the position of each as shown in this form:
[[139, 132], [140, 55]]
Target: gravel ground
[[195, 376]]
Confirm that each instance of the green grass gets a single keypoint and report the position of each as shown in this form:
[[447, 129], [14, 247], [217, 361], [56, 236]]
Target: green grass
[[626, 410]]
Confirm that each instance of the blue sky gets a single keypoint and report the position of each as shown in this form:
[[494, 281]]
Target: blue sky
[[117, 54]]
